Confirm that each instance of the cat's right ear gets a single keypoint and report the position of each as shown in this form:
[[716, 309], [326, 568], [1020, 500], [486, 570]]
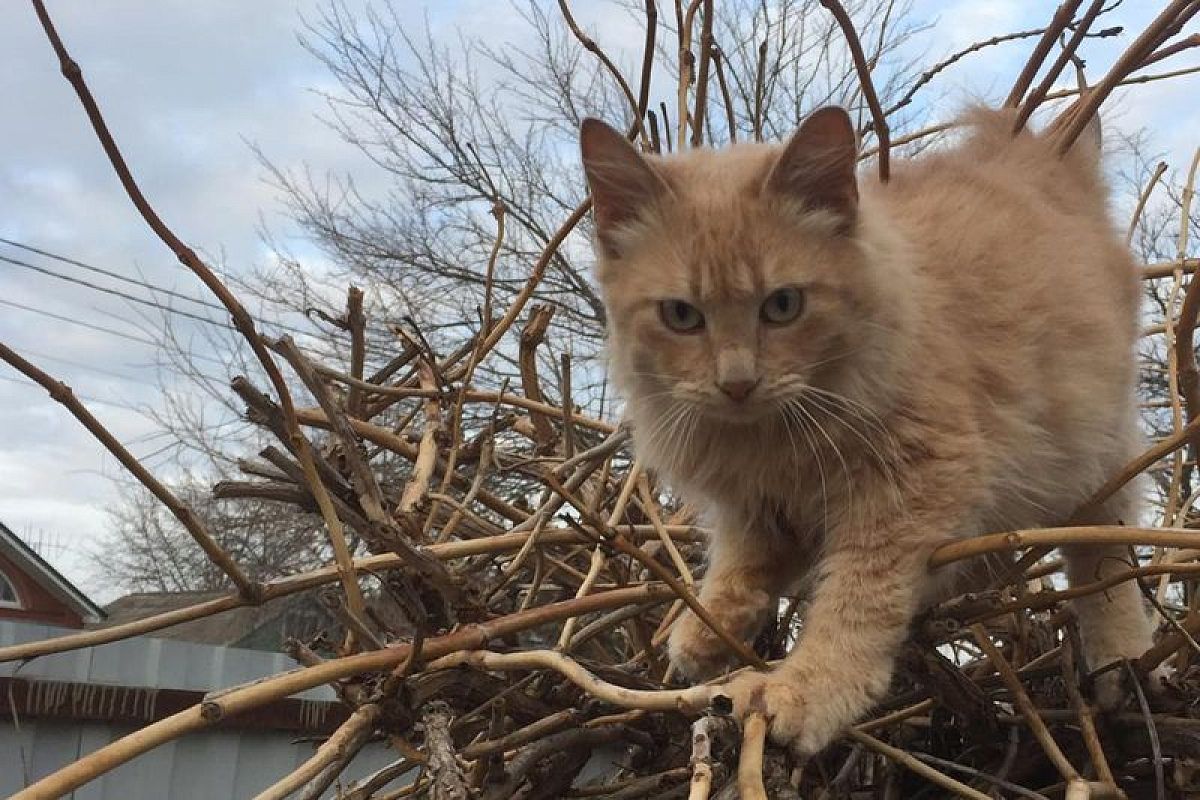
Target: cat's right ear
[[623, 184]]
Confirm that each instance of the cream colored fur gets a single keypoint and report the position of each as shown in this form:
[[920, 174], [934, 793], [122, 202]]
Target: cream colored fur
[[964, 364]]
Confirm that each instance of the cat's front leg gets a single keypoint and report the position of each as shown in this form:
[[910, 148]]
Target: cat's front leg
[[867, 595], [746, 573]]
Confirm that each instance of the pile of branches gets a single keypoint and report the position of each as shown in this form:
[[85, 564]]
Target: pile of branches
[[536, 568]]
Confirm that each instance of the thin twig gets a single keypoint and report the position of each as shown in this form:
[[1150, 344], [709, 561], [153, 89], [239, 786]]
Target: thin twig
[[750, 760], [880, 124]]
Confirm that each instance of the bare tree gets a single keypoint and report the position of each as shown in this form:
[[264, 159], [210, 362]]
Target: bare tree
[[459, 133], [151, 551]]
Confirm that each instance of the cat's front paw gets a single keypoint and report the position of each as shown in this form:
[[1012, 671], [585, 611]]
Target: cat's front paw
[[807, 707], [698, 652], [796, 717], [695, 650]]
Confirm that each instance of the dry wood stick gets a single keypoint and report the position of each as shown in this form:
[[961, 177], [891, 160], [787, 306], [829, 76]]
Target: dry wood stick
[[355, 729], [397, 444], [760, 77], [535, 277], [687, 701], [910, 762], [1137, 466], [535, 730], [470, 396], [1022, 701], [685, 24], [1057, 537], [718, 60], [643, 102], [498, 213], [621, 544], [1040, 601], [568, 406], [1062, 18], [1132, 81], [427, 451], [701, 760], [1162, 26], [356, 323], [462, 508], [1143, 198], [369, 493], [1185, 327], [1171, 323], [599, 560], [655, 520], [362, 478], [706, 44], [532, 335], [589, 44], [1087, 722], [1068, 50], [445, 774], [880, 125], [750, 758], [930, 73]]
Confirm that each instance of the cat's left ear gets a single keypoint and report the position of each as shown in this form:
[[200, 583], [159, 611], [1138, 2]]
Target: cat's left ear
[[624, 185], [817, 165]]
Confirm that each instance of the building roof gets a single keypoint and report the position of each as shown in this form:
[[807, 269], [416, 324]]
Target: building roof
[[50, 579], [256, 627]]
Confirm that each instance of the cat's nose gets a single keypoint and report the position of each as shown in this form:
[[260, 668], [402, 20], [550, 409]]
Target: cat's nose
[[737, 390]]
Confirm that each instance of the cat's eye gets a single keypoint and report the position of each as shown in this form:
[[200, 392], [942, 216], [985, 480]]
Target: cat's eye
[[680, 317], [782, 306]]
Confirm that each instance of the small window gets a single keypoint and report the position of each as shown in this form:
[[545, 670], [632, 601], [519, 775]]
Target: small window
[[8, 593]]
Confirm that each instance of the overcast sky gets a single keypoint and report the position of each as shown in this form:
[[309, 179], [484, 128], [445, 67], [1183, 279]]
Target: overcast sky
[[186, 86]]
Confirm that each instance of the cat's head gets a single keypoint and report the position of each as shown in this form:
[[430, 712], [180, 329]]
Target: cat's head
[[734, 280]]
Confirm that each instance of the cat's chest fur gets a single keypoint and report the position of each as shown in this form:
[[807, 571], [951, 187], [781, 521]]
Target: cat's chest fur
[[788, 481]]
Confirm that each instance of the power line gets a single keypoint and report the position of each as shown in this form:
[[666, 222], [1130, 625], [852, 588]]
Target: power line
[[102, 329], [132, 298], [102, 371], [134, 281], [80, 323], [118, 276], [117, 293], [79, 365], [88, 398]]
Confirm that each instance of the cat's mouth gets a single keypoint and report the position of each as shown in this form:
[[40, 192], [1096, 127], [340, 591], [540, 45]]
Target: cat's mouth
[[750, 411]]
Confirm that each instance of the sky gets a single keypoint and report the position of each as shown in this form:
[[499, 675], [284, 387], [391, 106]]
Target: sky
[[188, 88]]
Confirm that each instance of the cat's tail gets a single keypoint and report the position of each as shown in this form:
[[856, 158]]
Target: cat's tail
[[992, 134], [1074, 177]]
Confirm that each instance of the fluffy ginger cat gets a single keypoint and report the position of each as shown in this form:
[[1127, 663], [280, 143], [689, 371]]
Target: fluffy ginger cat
[[845, 374]]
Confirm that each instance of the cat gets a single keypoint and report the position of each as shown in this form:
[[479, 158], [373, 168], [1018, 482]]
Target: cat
[[846, 374]]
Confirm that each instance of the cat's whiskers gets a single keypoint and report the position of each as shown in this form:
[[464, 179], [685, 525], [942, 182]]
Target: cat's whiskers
[[790, 412], [837, 451], [660, 422], [871, 421], [664, 435], [823, 400], [886, 466]]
